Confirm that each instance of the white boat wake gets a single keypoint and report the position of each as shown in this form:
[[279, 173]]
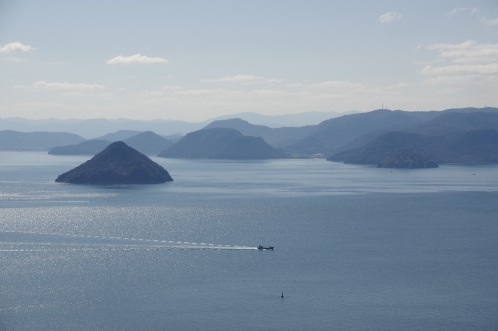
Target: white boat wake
[[27, 241]]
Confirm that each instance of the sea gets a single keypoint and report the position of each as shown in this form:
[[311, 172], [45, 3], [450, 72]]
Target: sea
[[355, 247]]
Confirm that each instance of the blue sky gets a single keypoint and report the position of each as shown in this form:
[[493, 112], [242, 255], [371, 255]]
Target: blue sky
[[194, 60]]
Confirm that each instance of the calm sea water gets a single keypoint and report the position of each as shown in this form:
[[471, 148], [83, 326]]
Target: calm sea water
[[356, 248]]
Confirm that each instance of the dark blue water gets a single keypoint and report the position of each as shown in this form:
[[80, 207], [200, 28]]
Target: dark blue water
[[356, 248]]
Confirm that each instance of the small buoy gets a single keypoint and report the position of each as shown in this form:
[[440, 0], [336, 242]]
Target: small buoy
[[282, 296]]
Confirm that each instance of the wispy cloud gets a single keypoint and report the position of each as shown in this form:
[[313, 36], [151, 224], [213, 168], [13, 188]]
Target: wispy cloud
[[467, 52], [67, 86], [136, 58], [337, 84], [464, 62], [15, 46], [490, 68], [390, 17], [456, 11], [234, 79], [193, 92], [149, 93], [16, 60], [491, 21]]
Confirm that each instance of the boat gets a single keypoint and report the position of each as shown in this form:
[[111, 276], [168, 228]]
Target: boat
[[262, 248]]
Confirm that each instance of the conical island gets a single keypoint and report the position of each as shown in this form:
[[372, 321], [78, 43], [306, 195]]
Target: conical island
[[118, 163]]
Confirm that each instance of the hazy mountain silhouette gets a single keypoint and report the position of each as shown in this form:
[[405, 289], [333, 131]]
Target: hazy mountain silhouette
[[120, 135], [277, 137], [15, 140], [382, 147], [89, 147], [147, 143], [453, 122], [329, 136], [221, 143], [475, 146], [95, 128], [286, 120]]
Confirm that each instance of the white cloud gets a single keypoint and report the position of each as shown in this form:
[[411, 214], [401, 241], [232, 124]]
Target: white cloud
[[67, 86], [492, 21], [15, 46], [266, 92], [234, 79], [149, 93], [456, 11], [467, 52], [337, 84], [16, 60], [137, 58], [465, 80], [74, 94], [487, 69], [274, 81], [463, 63], [193, 92], [390, 17]]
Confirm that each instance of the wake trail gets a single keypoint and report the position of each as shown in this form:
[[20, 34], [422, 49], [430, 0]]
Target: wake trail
[[110, 243]]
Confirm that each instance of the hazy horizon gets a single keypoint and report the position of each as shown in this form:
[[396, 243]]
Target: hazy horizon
[[195, 61]]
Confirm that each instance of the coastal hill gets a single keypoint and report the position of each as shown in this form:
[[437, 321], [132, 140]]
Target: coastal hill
[[408, 159], [330, 136], [355, 130], [382, 147], [276, 137], [453, 122], [221, 143], [117, 164], [474, 146]]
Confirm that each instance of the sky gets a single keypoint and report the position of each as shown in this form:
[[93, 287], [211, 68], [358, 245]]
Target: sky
[[195, 60]]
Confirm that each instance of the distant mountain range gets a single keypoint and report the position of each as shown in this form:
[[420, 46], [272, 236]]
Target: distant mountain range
[[450, 136], [465, 147], [277, 137], [22, 141], [89, 147], [95, 128], [146, 142]]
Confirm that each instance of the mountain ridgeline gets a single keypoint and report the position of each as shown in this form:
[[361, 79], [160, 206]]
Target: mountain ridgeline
[[405, 139], [393, 138], [148, 143], [35, 141], [221, 143]]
